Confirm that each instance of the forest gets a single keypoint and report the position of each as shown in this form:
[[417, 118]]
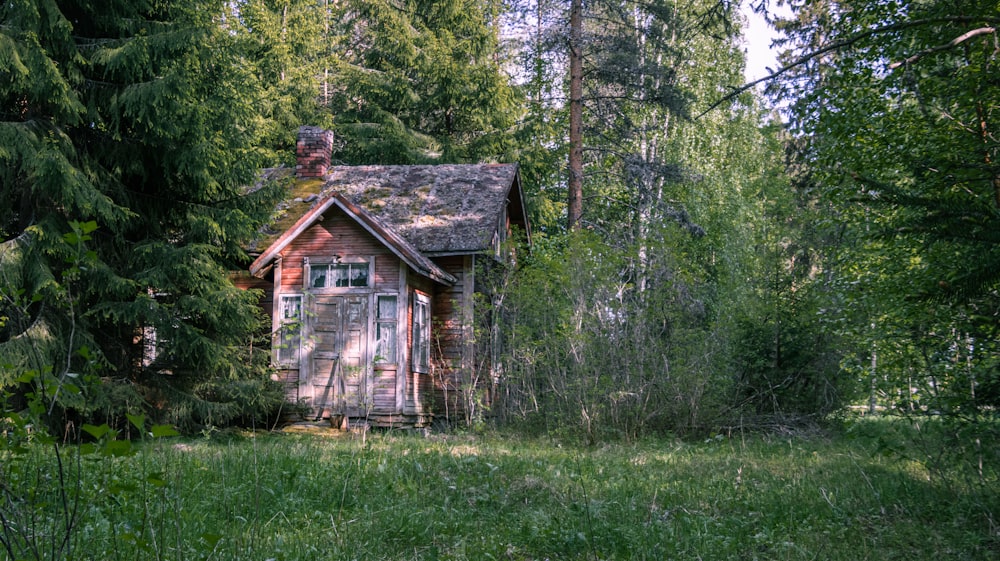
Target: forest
[[708, 256]]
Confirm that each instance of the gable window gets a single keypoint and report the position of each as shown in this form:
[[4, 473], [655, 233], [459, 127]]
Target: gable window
[[339, 275], [290, 330], [385, 329], [421, 333]]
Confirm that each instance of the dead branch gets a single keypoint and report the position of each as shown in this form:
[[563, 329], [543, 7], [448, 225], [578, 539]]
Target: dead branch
[[951, 44], [846, 42]]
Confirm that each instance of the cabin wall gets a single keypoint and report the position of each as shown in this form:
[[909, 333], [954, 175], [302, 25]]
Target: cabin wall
[[338, 235], [454, 382], [458, 382], [419, 385]]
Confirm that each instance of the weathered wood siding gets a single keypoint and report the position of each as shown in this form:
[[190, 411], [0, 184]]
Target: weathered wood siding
[[396, 392], [419, 385], [452, 312], [290, 380], [337, 235], [385, 390]]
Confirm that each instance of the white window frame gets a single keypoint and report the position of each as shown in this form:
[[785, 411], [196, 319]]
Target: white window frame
[[386, 325], [290, 328], [421, 343], [350, 264]]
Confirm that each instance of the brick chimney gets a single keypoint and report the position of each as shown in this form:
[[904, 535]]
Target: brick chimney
[[312, 152]]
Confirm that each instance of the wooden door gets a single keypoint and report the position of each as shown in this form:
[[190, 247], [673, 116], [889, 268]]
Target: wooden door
[[339, 373]]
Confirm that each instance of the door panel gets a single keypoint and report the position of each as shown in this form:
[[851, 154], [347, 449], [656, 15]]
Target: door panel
[[339, 370]]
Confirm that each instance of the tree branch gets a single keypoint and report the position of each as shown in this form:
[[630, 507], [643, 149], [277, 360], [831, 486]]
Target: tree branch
[[898, 26], [951, 44]]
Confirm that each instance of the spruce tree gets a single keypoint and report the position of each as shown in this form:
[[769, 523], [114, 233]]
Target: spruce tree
[[292, 47], [400, 82], [127, 139], [421, 81], [895, 109]]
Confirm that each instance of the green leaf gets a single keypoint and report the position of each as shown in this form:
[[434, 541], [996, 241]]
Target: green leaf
[[211, 539], [96, 431], [138, 421], [160, 431], [86, 227], [156, 479], [118, 448]]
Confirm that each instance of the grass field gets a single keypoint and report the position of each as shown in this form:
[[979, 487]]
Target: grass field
[[397, 496]]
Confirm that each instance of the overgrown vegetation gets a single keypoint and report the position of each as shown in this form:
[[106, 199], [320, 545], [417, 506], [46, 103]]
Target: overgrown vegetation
[[393, 496]]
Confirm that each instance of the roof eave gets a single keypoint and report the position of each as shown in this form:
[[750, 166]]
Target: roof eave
[[395, 242], [390, 239], [258, 267]]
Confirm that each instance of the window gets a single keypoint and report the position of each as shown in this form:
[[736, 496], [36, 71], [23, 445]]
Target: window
[[385, 329], [339, 275], [290, 330], [421, 333]]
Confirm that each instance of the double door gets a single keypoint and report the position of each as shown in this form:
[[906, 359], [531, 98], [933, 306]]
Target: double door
[[339, 377]]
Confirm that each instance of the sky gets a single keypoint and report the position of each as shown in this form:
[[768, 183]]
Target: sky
[[759, 53]]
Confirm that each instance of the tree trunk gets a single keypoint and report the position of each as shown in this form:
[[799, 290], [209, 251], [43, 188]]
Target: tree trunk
[[574, 209]]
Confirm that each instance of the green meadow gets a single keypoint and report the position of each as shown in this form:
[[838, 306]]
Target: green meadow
[[397, 496]]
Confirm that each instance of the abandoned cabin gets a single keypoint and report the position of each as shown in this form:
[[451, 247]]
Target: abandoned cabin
[[369, 274]]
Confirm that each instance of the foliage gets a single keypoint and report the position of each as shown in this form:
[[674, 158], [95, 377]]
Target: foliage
[[677, 326], [900, 124], [138, 119], [420, 82], [42, 494], [400, 82], [630, 96], [894, 106], [48, 491], [585, 354], [789, 342], [291, 48]]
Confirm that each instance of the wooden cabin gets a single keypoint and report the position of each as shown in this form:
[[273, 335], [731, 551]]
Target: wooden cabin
[[369, 274]]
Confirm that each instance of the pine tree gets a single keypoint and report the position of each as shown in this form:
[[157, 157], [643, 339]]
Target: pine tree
[[138, 119], [613, 62]]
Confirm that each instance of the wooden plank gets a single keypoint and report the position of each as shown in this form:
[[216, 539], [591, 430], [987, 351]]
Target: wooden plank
[[384, 400], [454, 318], [289, 379]]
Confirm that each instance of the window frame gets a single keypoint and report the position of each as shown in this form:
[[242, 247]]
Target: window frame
[[361, 263], [420, 346], [391, 325], [290, 328]]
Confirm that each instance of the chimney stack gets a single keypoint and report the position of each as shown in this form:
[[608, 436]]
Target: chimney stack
[[312, 152]]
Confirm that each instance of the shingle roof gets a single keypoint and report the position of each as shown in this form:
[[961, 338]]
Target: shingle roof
[[445, 208], [441, 209]]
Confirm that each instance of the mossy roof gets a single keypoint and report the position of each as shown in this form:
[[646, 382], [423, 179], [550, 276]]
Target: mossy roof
[[443, 209]]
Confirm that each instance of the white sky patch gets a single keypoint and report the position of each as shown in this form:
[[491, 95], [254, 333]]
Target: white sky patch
[[758, 38]]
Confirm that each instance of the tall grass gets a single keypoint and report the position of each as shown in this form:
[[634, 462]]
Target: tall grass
[[393, 496]]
